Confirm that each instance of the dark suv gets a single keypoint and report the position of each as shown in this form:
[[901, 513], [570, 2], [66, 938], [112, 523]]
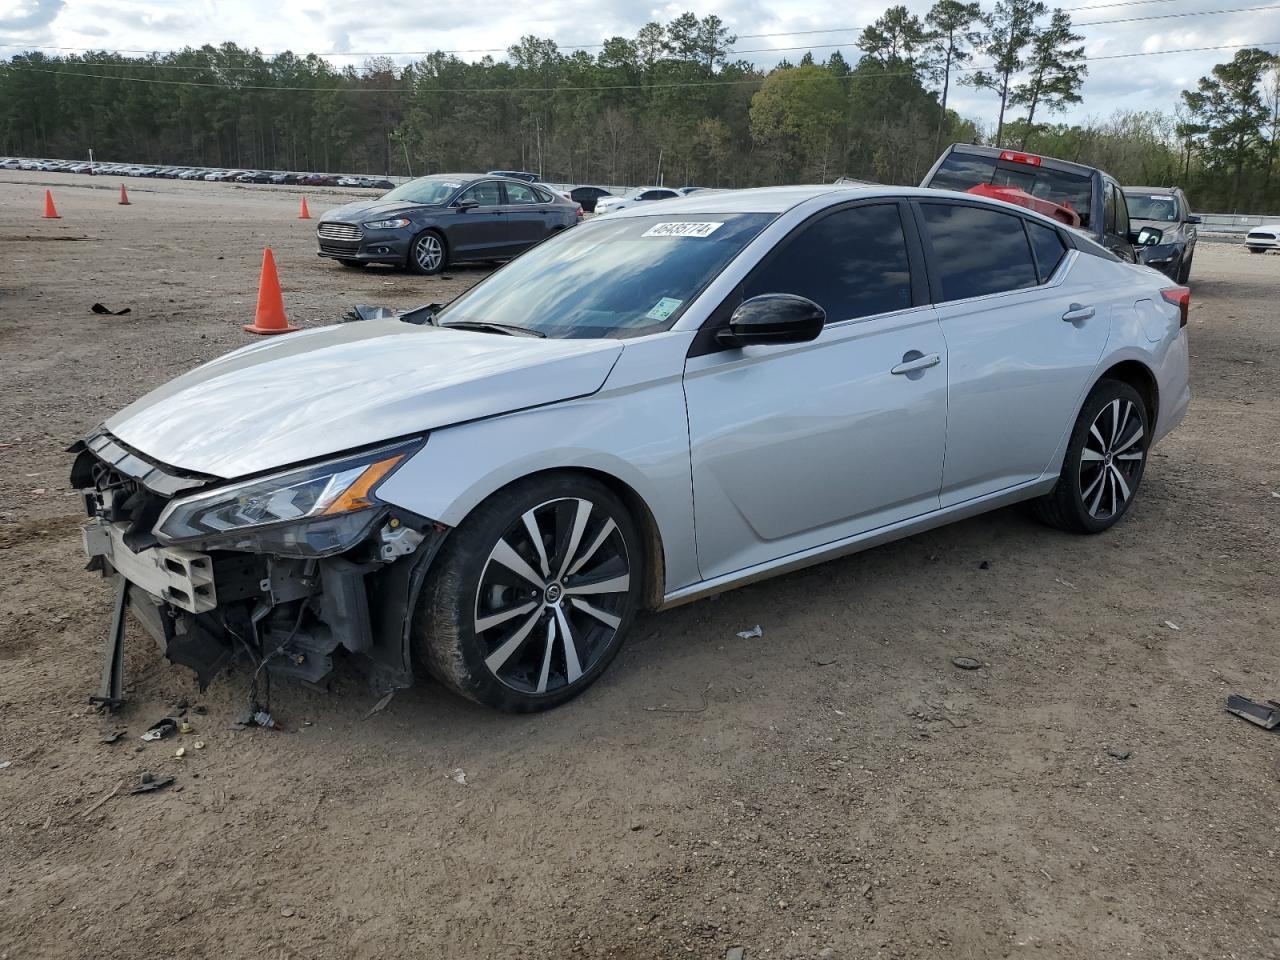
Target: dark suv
[[1082, 197], [1165, 210]]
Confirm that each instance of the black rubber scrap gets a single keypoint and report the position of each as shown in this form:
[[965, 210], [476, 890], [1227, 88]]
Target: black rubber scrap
[[107, 311], [966, 663]]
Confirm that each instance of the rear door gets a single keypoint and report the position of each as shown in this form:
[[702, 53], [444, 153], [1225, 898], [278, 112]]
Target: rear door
[[801, 445], [1023, 334], [482, 230], [528, 216]]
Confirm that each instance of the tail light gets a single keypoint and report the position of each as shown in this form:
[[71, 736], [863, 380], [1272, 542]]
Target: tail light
[[1179, 297], [578, 212], [1016, 157]]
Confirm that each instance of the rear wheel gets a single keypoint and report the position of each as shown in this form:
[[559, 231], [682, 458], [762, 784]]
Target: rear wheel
[[1257, 250], [1104, 464], [532, 594]]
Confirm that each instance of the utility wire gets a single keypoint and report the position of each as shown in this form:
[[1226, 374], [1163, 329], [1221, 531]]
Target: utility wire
[[581, 89]]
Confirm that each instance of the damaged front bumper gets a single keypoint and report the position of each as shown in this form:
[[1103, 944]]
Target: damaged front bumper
[[222, 595]]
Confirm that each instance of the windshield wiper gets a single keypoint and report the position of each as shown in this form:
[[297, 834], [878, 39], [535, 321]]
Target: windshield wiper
[[509, 329]]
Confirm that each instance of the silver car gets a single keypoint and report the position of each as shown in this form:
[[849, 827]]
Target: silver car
[[657, 406]]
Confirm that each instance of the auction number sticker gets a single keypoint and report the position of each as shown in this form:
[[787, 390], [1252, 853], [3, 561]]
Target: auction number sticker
[[664, 308], [682, 229]]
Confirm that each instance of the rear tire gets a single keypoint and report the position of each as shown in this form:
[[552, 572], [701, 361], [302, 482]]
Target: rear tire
[[1256, 250], [520, 624], [1106, 457]]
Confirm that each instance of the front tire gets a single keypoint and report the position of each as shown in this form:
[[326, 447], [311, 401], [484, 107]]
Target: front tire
[[1105, 460], [532, 594], [1184, 273], [428, 253]]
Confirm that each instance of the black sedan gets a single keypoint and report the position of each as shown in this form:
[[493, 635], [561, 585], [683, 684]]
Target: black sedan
[[434, 221]]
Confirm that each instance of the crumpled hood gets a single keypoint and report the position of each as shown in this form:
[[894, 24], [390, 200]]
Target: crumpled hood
[[360, 210], [304, 396]]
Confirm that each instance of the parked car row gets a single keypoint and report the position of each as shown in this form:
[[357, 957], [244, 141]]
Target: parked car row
[[212, 174]]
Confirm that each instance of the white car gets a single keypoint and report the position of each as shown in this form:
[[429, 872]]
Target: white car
[[1263, 238], [649, 408], [641, 195]]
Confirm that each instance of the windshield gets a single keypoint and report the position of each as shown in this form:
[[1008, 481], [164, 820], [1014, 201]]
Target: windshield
[[609, 278], [425, 190], [1143, 206], [960, 171]]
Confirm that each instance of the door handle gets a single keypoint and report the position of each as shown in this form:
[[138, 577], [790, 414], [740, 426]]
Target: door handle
[[1077, 312], [910, 364]]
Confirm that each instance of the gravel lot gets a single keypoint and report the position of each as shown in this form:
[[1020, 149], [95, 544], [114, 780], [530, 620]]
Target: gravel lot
[[835, 788]]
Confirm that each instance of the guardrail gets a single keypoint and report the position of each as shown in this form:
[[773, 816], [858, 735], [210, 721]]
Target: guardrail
[[1233, 223]]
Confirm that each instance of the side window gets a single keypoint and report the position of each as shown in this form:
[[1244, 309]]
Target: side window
[[519, 193], [978, 251], [1046, 244], [852, 263], [543, 196], [1109, 208], [486, 194], [1122, 215]]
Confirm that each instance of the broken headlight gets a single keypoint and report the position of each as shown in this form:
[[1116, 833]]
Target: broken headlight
[[314, 511]]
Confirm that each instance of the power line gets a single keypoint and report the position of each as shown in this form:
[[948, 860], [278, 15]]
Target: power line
[[27, 68]]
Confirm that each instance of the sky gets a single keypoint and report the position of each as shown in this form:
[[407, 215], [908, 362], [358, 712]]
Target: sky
[[346, 32]]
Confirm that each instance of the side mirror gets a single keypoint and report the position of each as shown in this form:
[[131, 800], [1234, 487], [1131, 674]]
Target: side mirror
[[1149, 236], [773, 318], [1192, 219], [465, 205]]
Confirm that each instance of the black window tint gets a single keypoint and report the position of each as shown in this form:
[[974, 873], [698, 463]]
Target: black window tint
[[852, 263], [978, 251], [1109, 209], [1122, 215], [1047, 246]]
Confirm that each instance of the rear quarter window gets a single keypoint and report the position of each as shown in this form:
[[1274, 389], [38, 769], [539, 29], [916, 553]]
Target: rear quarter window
[[1047, 245]]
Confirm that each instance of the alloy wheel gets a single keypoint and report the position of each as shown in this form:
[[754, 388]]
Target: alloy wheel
[[428, 252], [552, 595], [1111, 461]]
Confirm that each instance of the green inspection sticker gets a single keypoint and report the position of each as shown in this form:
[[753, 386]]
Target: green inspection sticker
[[663, 309]]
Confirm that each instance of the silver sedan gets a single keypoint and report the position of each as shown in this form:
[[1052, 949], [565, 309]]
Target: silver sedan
[[662, 404]]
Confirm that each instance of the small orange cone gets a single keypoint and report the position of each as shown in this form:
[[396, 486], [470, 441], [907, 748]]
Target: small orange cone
[[124, 196], [269, 317], [305, 214], [50, 211]]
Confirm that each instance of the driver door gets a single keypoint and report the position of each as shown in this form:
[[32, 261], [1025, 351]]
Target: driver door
[[796, 446], [480, 231]]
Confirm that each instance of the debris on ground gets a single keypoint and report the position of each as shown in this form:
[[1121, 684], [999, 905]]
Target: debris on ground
[[736, 953], [1171, 625], [985, 565], [113, 736], [180, 752], [108, 312], [750, 634], [199, 744], [161, 729], [150, 783], [185, 727], [459, 776], [380, 705], [104, 798], [1265, 715], [966, 663], [5, 763], [1119, 754]]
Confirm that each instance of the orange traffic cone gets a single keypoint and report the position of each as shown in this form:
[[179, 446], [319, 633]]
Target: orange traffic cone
[[50, 211], [305, 214], [124, 196], [269, 317]]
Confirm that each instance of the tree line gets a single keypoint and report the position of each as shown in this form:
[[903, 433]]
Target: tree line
[[670, 104]]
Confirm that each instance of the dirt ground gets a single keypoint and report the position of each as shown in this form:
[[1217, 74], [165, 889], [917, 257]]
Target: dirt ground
[[835, 788]]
